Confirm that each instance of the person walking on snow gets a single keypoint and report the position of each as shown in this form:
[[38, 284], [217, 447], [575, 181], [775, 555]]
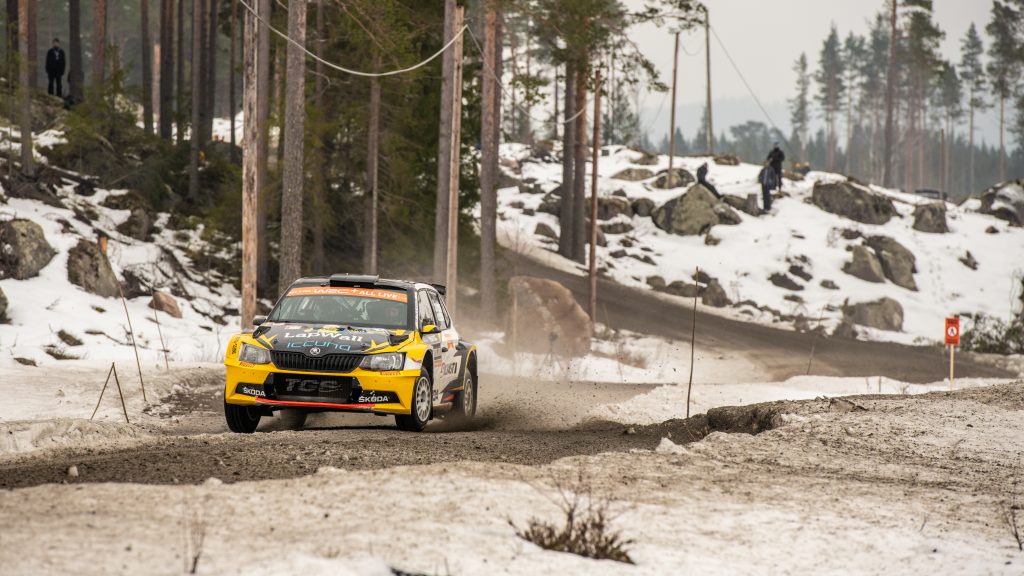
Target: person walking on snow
[[55, 65], [702, 179], [767, 180], [775, 159]]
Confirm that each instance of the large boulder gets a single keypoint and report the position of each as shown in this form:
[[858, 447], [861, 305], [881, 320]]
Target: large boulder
[[865, 265], [680, 178], [883, 314], [550, 204], [693, 213], [546, 231], [931, 218], [547, 318], [609, 207], [714, 295], [24, 250], [165, 303], [137, 225], [643, 207], [848, 200], [1005, 201], [898, 263], [748, 204], [3, 305], [633, 174], [89, 268]]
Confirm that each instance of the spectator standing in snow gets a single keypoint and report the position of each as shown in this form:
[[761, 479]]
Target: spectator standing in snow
[[55, 65], [702, 179], [767, 180], [775, 159]]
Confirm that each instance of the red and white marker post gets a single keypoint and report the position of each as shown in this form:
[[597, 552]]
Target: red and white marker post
[[952, 340]]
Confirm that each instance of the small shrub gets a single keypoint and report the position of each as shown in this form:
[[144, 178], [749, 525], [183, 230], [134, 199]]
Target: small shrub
[[68, 338], [994, 336], [586, 530], [59, 353]]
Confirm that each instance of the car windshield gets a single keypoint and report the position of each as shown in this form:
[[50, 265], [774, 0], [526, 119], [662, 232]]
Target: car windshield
[[342, 305]]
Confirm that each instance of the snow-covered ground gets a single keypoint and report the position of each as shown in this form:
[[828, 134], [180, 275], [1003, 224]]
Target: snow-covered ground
[[748, 253]]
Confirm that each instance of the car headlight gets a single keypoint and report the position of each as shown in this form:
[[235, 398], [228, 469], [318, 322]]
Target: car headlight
[[383, 362], [254, 354]]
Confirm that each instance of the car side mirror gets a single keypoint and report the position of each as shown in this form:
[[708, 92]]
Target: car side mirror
[[258, 320], [429, 329]]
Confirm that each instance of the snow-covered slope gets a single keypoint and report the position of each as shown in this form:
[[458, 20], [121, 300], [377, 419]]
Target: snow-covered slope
[[796, 231]]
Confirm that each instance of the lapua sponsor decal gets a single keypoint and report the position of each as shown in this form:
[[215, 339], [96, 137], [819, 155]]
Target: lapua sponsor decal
[[251, 390]]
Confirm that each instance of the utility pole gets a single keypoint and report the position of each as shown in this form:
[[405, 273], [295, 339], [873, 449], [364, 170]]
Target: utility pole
[[250, 174], [372, 185], [669, 180], [595, 155], [707, 66], [451, 275]]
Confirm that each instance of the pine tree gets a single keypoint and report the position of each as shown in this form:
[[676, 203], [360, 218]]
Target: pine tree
[[972, 72], [799, 106], [873, 90], [854, 59], [1003, 66], [950, 100], [290, 259], [922, 62], [831, 89]]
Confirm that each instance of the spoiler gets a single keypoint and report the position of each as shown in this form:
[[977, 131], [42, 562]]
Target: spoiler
[[440, 289], [353, 280]]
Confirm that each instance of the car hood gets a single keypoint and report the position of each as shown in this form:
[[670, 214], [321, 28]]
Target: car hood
[[327, 339]]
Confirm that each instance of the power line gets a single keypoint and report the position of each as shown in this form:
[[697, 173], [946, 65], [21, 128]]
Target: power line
[[348, 70], [751, 90]]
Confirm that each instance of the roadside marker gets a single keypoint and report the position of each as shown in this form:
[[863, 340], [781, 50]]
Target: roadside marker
[[952, 337]]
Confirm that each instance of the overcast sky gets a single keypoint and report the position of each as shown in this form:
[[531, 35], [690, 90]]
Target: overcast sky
[[765, 38]]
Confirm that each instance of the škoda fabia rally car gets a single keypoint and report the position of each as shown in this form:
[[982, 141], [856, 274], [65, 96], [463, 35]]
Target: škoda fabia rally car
[[351, 344]]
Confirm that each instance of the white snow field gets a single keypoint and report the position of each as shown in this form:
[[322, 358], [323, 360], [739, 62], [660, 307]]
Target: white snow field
[[748, 253]]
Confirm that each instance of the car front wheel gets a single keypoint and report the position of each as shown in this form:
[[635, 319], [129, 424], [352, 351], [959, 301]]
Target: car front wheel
[[417, 419], [242, 419]]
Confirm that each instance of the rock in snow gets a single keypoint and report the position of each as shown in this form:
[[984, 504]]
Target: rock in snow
[[693, 213], [851, 201], [89, 268], [24, 250], [865, 265], [898, 263], [931, 218], [547, 318], [165, 303], [1005, 201], [883, 314], [634, 174]]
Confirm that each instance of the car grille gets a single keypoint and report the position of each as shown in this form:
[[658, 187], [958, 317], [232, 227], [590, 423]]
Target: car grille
[[327, 363], [307, 388]]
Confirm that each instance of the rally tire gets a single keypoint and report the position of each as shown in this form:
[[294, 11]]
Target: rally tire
[[422, 405], [241, 419], [292, 419], [464, 407]]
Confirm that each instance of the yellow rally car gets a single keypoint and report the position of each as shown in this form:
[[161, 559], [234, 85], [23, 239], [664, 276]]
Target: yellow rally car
[[352, 344]]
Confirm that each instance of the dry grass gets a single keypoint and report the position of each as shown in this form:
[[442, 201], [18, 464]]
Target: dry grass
[[1011, 512], [59, 353], [585, 527], [68, 338]]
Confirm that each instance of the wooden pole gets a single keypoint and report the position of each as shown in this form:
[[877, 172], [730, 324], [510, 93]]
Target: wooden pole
[[942, 161], [707, 71], [104, 389], [160, 332], [373, 146], [451, 275], [595, 146], [250, 170], [113, 368], [444, 161], [669, 181], [952, 364], [693, 345], [131, 331]]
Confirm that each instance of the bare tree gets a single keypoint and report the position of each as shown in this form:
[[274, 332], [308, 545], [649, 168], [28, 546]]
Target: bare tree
[[444, 139], [231, 76], [488, 165], [99, 42], [566, 213], [33, 70], [24, 89], [319, 195], [579, 192], [290, 258], [372, 182], [210, 97], [179, 81], [263, 140], [147, 70], [888, 176], [250, 174], [166, 67], [196, 138]]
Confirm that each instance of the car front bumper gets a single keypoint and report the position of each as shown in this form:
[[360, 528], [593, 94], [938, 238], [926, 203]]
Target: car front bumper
[[356, 391]]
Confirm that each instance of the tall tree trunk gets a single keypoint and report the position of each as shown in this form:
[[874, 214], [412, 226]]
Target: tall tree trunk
[[970, 143], [444, 160], [251, 184], [147, 70], [263, 142], [890, 95], [201, 62], [25, 89], [290, 259], [320, 163], [488, 167], [166, 67], [370, 249], [231, 76], [213, 33], [579, 220], [33, 43], [278, 78], [566, 212], [179, 82], [99, 43], [13, 21], [76, 76], [196, 137], [848, 164], [1002, 144]]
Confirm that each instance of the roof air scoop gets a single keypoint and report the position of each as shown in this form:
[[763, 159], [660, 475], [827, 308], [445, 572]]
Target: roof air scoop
[[353, 280]]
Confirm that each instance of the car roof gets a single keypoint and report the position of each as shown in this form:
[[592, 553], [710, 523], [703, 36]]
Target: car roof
[[381, 282]]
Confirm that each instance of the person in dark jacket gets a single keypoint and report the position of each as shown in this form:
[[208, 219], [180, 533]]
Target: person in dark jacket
[[702, 179], [775, 159], [56, 63], [768, 182]]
